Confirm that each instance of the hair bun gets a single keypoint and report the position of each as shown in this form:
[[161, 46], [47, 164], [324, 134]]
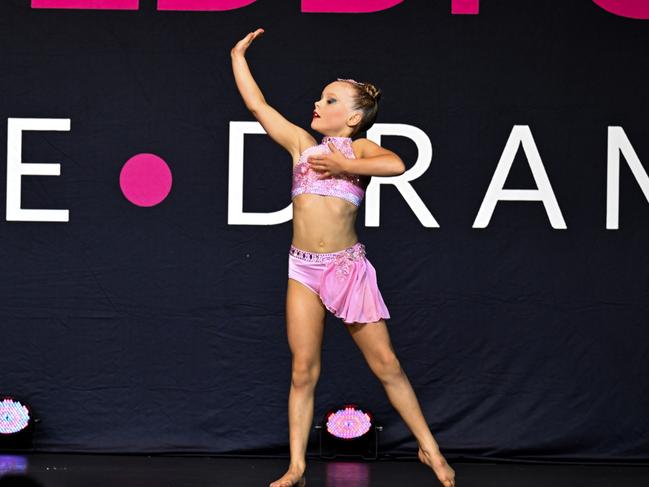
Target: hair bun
[[373, 91]]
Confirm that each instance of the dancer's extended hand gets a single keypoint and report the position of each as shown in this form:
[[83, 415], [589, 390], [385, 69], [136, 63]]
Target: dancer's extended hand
[[243, 44], [329, 164]]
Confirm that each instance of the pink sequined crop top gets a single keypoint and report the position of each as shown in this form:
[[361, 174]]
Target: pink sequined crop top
[[350, 187]]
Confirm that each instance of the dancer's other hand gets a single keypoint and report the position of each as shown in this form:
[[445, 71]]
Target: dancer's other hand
[[329, 164], [241, 46]]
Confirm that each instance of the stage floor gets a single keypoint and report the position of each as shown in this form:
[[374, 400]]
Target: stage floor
[[83, 470]]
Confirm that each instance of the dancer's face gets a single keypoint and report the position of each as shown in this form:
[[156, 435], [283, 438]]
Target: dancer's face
[[337, 117]]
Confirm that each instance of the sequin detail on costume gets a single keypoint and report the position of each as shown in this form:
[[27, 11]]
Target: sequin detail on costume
[[355, 252], [350, 187], [344, 261]]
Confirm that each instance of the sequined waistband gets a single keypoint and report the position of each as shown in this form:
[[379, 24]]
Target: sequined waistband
[[354, 252]]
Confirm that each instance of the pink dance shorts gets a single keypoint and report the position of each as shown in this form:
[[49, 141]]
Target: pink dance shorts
[[345, 281]]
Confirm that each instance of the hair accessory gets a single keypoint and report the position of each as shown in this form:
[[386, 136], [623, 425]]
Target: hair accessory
[[351, 81]]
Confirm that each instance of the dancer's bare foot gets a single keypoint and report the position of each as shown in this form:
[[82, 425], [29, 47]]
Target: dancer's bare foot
[[294, 476], [437, 462]]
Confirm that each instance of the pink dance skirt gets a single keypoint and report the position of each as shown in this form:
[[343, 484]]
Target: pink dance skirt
[[344, 280]]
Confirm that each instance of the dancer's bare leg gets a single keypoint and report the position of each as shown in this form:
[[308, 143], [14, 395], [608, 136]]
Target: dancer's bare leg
[[374, 341], [305, 316]]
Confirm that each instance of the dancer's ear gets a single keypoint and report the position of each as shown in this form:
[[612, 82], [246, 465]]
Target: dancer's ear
[[355, 118]]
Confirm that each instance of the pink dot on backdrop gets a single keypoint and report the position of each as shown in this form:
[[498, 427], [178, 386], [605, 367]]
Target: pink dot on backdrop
[[145, 179]]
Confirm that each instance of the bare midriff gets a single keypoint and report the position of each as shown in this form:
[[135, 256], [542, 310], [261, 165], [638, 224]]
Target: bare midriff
[[323, 223]]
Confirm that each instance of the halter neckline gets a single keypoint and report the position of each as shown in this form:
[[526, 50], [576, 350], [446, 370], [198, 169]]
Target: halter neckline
[[334, 138]]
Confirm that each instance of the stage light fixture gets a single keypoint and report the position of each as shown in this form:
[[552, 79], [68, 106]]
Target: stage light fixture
[[349, 431], [16, 424]]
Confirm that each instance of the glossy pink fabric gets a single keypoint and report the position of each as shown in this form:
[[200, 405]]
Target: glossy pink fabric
[[345, 281]]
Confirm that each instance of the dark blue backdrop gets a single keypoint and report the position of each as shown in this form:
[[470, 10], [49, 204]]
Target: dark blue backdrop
[[151, 329]]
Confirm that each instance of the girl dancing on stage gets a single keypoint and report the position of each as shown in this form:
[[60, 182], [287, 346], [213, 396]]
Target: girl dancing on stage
[[327, 266]]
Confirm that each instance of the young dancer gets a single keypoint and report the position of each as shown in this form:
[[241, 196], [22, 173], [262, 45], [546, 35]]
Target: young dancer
[[327, 266]]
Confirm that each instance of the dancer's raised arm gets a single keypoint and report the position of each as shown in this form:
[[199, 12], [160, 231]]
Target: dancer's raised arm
[[276, 126]]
